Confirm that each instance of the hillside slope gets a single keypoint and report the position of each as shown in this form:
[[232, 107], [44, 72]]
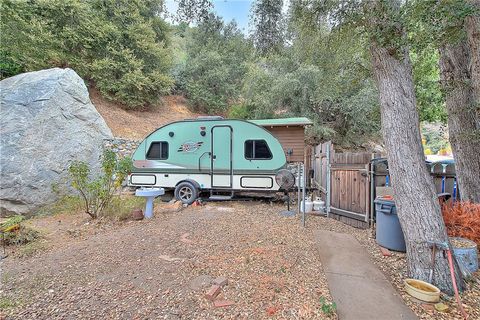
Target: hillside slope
[[138, 124]]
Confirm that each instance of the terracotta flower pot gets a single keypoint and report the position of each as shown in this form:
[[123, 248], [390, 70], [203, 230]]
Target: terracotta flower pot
[[137, 214]]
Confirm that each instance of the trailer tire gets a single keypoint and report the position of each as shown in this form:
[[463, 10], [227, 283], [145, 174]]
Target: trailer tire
[[186, 192]]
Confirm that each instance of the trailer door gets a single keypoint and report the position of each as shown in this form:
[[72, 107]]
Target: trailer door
[[222, 160]]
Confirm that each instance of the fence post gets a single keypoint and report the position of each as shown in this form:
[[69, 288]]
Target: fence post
[[328, 187], [298, 189]]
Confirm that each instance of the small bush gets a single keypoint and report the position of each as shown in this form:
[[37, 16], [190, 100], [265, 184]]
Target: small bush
[[97, 193], [329, 309], [240, 111], [15, 233], [462, 219], [120, 208]]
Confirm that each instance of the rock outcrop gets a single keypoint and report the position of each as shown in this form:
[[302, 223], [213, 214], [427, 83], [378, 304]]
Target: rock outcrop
[[46, 121]]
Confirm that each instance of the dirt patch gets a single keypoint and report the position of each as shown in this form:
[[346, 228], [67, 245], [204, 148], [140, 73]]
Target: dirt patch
[[160, 268], [163, 267], [138, 124]]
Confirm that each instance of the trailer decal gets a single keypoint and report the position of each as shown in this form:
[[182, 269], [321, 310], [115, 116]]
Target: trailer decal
[[190, 146]]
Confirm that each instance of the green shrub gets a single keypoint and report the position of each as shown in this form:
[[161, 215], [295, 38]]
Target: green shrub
[[8, 67], [329, 309], [97, 192], [120, 45], [121, 207], [240, 111], [16, 233], [215, 64]]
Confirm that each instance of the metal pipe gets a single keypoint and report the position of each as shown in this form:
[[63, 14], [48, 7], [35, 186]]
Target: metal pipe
[[373, 183]]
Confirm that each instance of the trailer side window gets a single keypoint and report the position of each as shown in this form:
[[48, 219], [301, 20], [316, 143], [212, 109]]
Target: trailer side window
[[257, 150], [158, 151]]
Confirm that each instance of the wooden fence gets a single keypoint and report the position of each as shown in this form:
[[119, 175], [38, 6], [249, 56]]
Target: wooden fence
[[350, 182], [443, 175]]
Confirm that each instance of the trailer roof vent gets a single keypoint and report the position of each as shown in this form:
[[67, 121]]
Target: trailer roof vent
[[210, 118]]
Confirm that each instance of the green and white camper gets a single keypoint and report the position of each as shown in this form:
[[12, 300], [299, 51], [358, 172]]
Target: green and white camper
[[208, 154]]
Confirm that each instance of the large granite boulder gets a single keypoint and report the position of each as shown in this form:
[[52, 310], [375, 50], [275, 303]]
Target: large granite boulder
[[46, 121]]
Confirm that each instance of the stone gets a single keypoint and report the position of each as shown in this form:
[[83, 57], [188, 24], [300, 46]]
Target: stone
[[220, 281], [173, 206], [47, 121], [213, 292], [441, 307], [200, 282]]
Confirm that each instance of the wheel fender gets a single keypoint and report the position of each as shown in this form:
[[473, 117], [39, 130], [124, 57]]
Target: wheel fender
[[195, 183]]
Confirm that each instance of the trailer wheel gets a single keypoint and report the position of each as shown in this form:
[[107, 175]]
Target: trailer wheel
[[186, 192]]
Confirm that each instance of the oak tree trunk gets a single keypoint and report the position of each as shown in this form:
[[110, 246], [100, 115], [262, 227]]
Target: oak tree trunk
[[460, 78], [473, 35], [415, 197]]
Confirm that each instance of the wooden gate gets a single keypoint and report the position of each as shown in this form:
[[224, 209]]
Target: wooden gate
[[350, 189], [343, 179]]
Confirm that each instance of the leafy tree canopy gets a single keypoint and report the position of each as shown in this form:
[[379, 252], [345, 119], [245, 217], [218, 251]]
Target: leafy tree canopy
[[215, 65], [268, 26], [312, 61], [120, 45]]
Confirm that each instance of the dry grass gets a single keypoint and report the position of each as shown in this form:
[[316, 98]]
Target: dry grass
[[138, 124], [462, 219]]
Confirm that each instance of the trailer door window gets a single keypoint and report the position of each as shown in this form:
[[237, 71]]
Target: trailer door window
[[158, 151], [257, 150]]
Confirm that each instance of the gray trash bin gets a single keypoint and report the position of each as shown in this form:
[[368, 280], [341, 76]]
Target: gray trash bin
[[389, 231]]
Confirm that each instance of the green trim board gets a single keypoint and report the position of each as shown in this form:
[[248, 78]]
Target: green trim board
[[300, 121]]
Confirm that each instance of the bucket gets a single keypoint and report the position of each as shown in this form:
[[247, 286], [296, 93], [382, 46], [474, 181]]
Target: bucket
[[466, 254], [318, 204], [389, 232], [308, 206]]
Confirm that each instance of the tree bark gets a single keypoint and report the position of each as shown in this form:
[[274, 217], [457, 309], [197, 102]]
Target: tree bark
[[473, 35], [460, 78], [415, 196]]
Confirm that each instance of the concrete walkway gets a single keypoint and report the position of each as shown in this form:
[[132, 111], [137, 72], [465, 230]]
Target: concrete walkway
[[358, 287]]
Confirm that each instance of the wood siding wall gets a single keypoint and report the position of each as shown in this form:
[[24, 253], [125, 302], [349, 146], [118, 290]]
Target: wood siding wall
[[290, 138]]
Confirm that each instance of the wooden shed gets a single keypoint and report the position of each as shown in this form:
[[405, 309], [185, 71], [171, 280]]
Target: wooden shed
[[291, 134]]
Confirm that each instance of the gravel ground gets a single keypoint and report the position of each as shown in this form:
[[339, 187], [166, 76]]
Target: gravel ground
[[395, 268], [159, 268]]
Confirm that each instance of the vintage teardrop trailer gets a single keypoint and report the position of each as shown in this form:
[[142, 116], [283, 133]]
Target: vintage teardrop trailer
[[208, 154]]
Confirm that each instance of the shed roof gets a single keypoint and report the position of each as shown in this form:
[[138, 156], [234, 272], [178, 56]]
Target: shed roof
[[301, 121]]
